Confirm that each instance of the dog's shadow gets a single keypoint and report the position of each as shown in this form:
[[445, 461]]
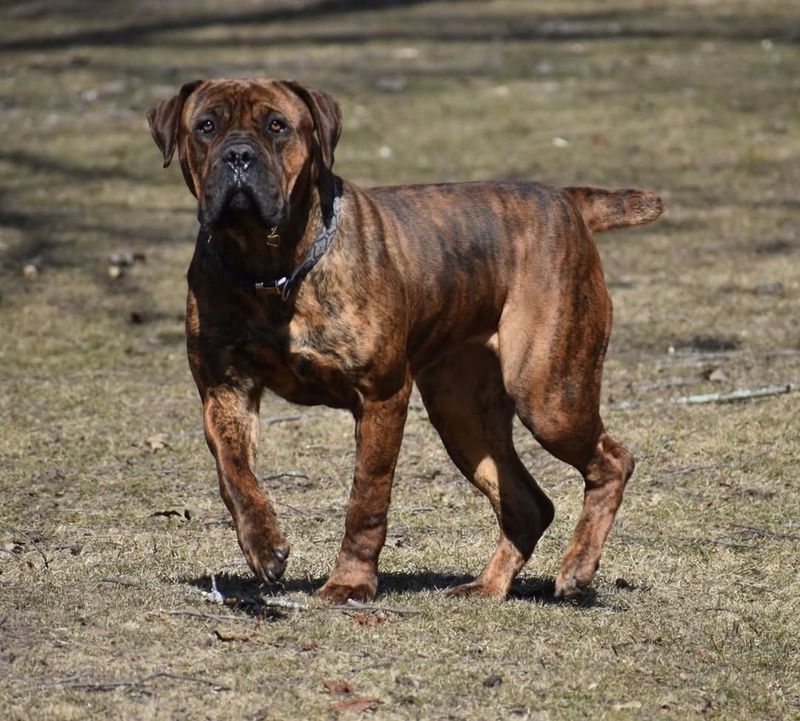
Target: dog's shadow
[[253, 596]]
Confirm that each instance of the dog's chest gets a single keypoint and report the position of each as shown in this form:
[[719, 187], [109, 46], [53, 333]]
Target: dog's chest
[[309, 359]]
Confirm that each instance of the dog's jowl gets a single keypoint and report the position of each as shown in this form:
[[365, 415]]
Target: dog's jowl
[[490, 296]]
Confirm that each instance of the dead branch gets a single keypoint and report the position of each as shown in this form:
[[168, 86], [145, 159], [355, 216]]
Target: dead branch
[[741, 394], [211, 616], [738, 395]]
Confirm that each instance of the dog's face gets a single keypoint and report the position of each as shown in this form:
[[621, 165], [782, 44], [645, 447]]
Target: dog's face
[[247, 146]]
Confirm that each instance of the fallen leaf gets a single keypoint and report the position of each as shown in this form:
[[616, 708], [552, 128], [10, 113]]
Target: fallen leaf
[[157, 442], [337, 686], [717, 375], [356, 704]]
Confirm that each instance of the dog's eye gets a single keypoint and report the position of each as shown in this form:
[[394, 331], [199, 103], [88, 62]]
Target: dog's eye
[[206, 126], [277, 126]]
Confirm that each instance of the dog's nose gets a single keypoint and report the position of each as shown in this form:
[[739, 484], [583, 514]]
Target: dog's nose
[[239, 156]]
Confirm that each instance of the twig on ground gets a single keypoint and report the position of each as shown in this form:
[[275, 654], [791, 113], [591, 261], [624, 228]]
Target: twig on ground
[[211, 616], [738, 395], [309, 514], [690, 469], [94, 685], [213, 596], [284, 474], [741, 394], [749, 532]]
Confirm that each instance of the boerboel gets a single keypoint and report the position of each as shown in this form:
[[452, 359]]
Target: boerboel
[[490, 296]]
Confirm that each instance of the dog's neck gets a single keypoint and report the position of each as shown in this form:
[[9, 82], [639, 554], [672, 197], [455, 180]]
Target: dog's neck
[[251, 247], [253, 256]]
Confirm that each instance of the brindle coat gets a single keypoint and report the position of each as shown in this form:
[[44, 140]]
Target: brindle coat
[[489, 295]]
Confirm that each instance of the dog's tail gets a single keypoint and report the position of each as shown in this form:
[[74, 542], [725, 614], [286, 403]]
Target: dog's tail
[[607, 209]]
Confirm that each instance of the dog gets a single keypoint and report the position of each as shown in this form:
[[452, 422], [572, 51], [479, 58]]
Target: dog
[[490, 296]]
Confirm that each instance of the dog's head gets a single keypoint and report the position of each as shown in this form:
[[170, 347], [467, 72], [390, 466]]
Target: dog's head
[[247, 146]]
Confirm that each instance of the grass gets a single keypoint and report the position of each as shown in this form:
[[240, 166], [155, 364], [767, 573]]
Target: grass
[[694, 611]]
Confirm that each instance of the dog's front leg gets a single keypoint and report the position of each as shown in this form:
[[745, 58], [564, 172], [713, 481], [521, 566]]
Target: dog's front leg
[[231, 427], [379, 432]]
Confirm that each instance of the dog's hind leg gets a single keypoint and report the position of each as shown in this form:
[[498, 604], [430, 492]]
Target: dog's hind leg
[[552, 356], [469, 407]]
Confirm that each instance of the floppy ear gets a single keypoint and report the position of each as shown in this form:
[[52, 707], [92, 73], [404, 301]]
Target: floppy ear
[[164, 119], [327, 118]]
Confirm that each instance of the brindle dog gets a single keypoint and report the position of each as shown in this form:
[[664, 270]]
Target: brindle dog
[[489, 295]]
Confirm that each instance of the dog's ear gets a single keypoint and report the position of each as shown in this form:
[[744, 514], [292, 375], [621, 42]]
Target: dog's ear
[[164, 120], [327, 119]]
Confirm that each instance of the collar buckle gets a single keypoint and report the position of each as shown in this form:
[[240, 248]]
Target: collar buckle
[[273, 240]]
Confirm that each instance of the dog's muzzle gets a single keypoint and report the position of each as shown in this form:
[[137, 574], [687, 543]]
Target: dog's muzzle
[[241, 183]]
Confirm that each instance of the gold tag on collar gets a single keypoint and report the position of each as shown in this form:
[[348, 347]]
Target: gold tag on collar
[[273, 239]]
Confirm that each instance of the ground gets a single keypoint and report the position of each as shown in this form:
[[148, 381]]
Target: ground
[[111, 528]]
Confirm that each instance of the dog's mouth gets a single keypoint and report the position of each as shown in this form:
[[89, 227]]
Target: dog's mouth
[[241, 201], [238, 200]]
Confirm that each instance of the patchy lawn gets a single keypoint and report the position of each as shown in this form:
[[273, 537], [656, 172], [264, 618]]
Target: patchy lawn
[[111, 529]]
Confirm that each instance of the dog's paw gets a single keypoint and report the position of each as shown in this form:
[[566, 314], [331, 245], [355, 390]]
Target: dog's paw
[[476, 588], [573, 578], [265, 553], [567, 588], [338, 593]]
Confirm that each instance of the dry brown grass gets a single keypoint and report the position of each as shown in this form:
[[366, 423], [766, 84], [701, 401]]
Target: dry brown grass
[[695, 611]]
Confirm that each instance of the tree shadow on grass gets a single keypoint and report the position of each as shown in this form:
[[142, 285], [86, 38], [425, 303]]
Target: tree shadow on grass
[[542, 27]]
